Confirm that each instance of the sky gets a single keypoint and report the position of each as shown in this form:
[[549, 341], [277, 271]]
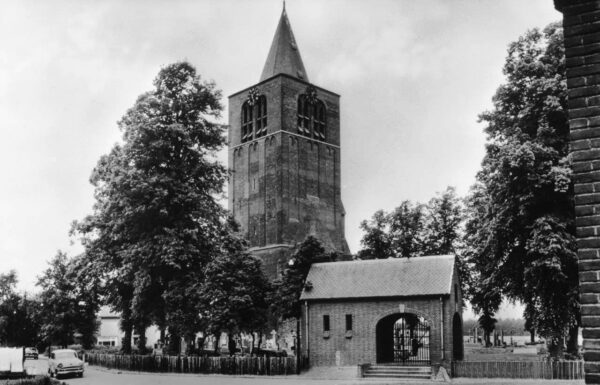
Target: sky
[[413, 77]]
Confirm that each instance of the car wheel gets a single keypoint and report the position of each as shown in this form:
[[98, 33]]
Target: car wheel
[[80, 374]]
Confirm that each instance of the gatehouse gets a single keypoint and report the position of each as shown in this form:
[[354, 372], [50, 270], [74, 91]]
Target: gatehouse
[[397, 311]]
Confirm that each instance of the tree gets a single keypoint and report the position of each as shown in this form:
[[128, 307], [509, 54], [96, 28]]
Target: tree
[[287, 289], [443, 223], [414, 229], [8, 282], [376, 241], [19, 315], [285, 301], [234, 294], [521, 222], [488, 324], [406, 230], [70, 302], [156, 218]]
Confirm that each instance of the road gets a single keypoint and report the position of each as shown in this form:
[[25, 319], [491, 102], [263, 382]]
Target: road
[[100, 376]]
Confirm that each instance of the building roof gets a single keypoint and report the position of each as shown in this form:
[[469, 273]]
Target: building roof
[[284, 56], [392, 277]]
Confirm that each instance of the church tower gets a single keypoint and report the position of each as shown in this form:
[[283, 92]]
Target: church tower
[[284, 153]]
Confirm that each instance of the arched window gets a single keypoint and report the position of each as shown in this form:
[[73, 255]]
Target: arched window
[[254, 117], [312, 118], [303, 116], [261, 116], [247, 122], [319, 120]]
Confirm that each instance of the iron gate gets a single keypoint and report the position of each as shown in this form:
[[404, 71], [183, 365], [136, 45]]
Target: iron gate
[[411, 340]]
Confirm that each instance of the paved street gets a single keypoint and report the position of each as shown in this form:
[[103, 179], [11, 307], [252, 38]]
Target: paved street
[[39, 366], [100, 376]]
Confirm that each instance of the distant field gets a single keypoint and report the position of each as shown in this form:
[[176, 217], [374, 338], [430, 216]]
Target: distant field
[[475, 352]]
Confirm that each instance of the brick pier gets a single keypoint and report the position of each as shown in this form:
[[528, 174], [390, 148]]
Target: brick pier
[[582, 45]]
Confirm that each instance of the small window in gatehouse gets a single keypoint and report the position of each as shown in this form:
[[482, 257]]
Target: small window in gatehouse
[[326, 323], [348, 322]]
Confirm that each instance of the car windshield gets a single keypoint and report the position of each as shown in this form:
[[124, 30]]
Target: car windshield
[[65, 355]]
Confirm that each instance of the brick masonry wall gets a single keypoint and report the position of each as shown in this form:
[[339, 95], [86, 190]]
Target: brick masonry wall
[[581, 24], [284, 186], [361, 348], [366, 313]]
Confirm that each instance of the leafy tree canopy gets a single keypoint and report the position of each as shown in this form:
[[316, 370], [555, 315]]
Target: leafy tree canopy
[[69, 302], [520, 229], [157, 221], [412, 230], [287, 289]]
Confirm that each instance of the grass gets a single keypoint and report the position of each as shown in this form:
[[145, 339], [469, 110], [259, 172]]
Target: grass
[[475, 352]]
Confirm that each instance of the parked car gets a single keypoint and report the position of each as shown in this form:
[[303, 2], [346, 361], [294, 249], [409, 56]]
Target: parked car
[[64, 361], [31, 353]]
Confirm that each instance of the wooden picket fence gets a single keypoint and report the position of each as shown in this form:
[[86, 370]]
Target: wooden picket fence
[[195, 364], [549, 370]]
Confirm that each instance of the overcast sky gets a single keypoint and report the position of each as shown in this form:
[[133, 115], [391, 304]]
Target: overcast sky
[[412, 75]]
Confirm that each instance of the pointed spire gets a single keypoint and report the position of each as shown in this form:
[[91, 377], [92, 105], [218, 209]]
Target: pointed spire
[[284, 56]]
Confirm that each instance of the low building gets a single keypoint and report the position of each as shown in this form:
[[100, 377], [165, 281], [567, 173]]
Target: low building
[[403, 311], [110, 333]]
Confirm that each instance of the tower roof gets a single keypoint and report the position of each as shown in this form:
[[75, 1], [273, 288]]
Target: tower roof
[[284, 56]]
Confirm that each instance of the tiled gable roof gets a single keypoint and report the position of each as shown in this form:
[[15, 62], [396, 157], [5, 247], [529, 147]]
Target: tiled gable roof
[[431, 275]]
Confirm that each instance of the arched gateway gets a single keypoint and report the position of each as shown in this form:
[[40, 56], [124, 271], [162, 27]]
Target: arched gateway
[[403, 339], [383, 311]]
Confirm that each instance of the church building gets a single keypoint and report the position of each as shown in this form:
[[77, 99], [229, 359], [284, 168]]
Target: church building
[[284, 153]]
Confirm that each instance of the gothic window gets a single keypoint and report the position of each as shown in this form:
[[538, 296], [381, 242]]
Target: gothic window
[[319, 120], [304, 116], [312, 119], [254, 116], [261, 116], [247, 122]]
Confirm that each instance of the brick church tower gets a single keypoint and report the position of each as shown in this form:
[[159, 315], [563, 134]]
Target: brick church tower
[[284, 153]]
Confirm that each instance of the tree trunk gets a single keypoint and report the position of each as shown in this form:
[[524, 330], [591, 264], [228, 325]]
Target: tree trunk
[[127, 328], [141, 343], [231, 346], [190, 346], [486, 338], [572, 341], [252, 348], [174, 346], [532, 340], [126, 341], [162, 335], [555, 347], [260, 336]]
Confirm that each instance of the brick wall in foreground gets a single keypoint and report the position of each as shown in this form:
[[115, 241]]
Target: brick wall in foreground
[[582, 45]]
